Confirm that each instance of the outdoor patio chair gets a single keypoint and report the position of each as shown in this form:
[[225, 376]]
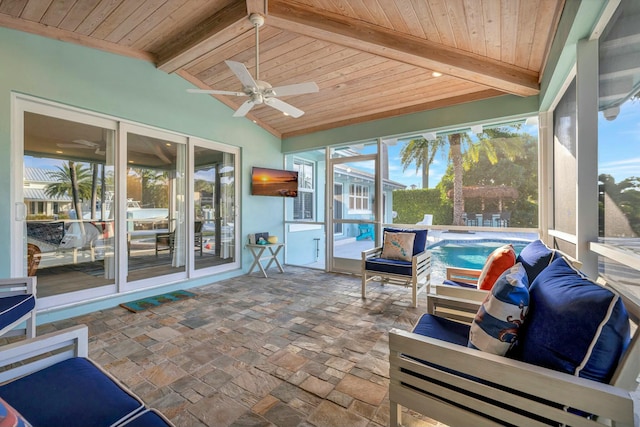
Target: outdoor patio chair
[[402, 260], [472, 220], [166, 241], [365, 232], [504, 219], [18, 305]]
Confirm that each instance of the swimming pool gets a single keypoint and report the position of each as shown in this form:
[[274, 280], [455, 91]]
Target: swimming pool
[[464, 254]]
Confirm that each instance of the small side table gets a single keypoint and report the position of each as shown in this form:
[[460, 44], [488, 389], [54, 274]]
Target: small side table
[[258, 250]]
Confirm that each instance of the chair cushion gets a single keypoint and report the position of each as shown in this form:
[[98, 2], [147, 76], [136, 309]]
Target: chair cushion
[[10, 417], [71, 393], [495, 327], [535, 257], [574, 325], [420, 242], [443, 329], [14, 307], [392, 266], [500, 260], [398, 246]]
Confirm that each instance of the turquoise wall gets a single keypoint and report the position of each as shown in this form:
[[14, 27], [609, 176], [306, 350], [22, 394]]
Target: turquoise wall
[[134, 90]]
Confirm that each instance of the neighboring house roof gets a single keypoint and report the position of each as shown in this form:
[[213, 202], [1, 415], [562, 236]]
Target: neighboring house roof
[[39, 175], [356, 173], [39, 194]]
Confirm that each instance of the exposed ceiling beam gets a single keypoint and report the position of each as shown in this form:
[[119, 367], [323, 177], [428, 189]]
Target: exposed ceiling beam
[[211, 33], [71, 37], [416, 51]]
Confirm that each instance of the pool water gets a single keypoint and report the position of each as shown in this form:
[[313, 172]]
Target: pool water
[[468, 254]]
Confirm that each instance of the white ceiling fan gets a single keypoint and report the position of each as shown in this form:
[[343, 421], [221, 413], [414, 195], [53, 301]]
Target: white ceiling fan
[[82, 143], [258, 91]]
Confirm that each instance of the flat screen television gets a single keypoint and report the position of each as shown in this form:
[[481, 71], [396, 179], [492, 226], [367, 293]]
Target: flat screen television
[[274, 182]]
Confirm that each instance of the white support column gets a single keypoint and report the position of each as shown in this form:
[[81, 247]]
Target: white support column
[[587, 154]]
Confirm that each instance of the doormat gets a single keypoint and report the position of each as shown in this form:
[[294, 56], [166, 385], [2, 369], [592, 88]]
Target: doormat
[[155, 301]]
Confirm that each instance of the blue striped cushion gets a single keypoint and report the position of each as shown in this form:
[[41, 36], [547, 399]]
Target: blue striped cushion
[[496, 325]]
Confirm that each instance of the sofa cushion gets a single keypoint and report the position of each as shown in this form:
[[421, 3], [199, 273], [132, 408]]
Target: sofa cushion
[[398, 246], [14, 307], [495, 327], [392, 266], [443, 329], [535, 257], [71, 393], [500, 260], [9, 417], [420, 241], [574, 325]]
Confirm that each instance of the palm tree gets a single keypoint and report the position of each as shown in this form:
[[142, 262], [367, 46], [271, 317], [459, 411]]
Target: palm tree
[[493, 143], [421, 152], [72, 180]]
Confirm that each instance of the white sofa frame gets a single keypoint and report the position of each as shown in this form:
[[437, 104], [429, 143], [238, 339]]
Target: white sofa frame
[[26, 357], [540, 391], [419, 280], [18, 286]]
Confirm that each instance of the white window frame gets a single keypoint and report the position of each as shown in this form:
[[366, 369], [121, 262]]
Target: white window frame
[[297, 165], [359, 202]]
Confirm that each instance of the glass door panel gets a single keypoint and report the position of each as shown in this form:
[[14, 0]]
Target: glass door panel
[[354, 211], [68, 188], [156, 206], [214, 199]]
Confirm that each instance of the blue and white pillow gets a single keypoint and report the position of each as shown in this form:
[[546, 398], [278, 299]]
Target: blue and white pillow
[[398, 246], [497, 323]]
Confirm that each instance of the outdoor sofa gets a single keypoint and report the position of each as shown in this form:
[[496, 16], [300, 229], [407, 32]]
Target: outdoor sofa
[[50, 381], [576, 361]]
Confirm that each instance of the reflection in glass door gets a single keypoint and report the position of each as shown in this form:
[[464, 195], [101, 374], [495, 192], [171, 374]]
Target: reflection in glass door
[[214, 200], [68, 188], [156, 206], [354, 210]]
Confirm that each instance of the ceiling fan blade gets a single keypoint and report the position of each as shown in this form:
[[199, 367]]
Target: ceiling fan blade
[[73, 145], [217, 92], [296, 89], [244, 108], [242, 73], [288, 109]]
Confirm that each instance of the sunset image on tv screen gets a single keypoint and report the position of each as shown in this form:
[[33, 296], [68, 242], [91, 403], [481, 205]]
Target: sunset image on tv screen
[[273, 182]]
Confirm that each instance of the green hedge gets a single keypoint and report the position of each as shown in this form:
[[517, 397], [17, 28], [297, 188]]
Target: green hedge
[[412, 205]]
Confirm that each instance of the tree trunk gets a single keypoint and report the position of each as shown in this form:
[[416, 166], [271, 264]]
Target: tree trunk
[[425, 173], [75, 195], [456, 158], [94, 189]]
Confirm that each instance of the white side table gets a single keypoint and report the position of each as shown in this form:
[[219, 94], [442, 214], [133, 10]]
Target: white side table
[[258, 251]]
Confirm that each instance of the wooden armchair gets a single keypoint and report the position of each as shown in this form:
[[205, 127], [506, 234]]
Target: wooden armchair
[[415, 273], [18, 305]]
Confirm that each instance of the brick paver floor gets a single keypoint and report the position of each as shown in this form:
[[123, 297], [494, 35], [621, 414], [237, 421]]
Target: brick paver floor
[[297, 349]]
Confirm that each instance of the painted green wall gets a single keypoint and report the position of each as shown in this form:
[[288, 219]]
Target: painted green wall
[[134, 90]]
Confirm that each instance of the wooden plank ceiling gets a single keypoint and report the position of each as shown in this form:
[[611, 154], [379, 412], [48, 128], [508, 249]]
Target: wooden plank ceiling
[[370, 58]]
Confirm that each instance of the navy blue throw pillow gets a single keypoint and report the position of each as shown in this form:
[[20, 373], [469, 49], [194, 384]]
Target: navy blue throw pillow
[[574, 325]]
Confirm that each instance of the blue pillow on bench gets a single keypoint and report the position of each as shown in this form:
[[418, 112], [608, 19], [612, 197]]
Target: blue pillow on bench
[[574, 325]]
